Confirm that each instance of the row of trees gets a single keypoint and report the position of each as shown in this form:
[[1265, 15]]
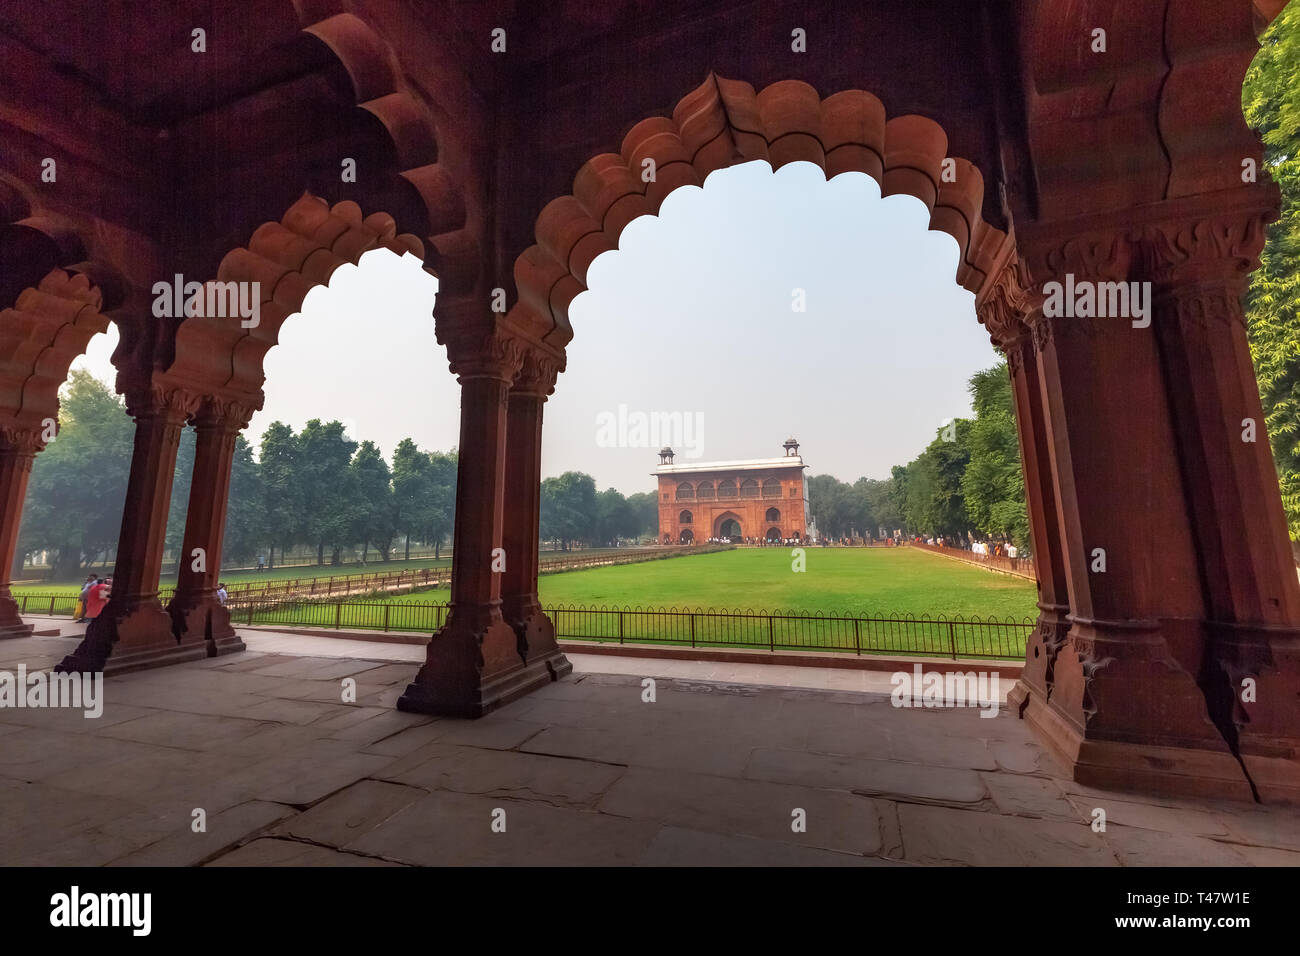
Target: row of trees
[[317, 488], [574, 511], [1271, 101], [968, 480]]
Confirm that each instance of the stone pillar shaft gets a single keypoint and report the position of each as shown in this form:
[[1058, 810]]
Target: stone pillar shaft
[[133, 631], [1044, 519], [473, 664], [520, 603], [196, 613], [17, 451], [1125, 708], [1252, 596]]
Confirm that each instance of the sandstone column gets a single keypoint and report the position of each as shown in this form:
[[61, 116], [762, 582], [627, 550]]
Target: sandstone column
[[195, 612], [133, 631], [1199, 268], [1126, 709], [523, 501], [473, 663], [1004, 310], [18, 448]]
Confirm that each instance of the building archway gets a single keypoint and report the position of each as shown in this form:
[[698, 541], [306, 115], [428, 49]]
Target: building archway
[[1071, 505], [214, 382], [727, 525], [686, 537], [773, 534]]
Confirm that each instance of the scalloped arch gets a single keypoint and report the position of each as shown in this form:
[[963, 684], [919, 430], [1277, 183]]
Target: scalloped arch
[[720, 124], [379, 89], [287, 258], [46, 328]]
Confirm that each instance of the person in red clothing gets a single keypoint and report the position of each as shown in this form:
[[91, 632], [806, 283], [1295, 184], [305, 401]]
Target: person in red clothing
[[98, 597]]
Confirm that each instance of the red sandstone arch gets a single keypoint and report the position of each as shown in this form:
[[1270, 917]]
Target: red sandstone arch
[[724, 122], [288, 258], [52, 302], [381, 90]]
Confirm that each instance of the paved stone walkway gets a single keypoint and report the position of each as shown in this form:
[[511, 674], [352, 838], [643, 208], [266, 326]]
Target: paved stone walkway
[[582, 772]]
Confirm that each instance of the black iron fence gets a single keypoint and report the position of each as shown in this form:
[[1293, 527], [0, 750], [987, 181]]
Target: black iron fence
[[848, 633], [745, 629]]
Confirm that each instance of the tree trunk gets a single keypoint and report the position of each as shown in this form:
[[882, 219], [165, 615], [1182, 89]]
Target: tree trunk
[[320, 554], [408, 547], [437, 549]]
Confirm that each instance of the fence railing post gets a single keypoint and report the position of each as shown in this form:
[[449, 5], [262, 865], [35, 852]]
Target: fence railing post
[[857, 638], [51, 604], [952, 641], [387, 608], [692, 629], [771, 637], [338, 615], [620, 627]]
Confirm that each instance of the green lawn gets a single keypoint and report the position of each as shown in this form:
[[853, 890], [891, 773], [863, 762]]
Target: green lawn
[[869, 582], [876, 582]]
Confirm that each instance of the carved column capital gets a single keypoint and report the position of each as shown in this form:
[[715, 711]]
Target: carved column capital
[[538, 373], [1212, 247], [1004, 306], [161, 400], [495, 354], [230, 414], [23, 442], [1056, 263]]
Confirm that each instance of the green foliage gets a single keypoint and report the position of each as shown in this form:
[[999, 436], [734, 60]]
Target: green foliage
[[1271, 103], [75, 493], [568, 511], [993, 484]]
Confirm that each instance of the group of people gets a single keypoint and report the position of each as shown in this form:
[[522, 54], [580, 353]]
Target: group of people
[[96, 591], [94, 595]]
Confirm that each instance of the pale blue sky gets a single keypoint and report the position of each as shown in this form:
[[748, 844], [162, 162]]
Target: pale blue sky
[[692, 314]]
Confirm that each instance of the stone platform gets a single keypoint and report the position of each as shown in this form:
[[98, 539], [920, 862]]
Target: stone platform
[[582, 772]]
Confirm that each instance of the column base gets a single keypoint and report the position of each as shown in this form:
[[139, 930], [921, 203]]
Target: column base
[[536, 635], [1148, 768], [138, 639], [1267, 720], [11, 623], [471, 670], [206, 621]]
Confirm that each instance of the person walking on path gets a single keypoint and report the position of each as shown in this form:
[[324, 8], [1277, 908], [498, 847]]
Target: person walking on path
[[91, 581]]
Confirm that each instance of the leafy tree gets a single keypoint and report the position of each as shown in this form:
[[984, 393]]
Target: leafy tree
[[374, 512], [440, 516], [246, 518], [78, 483], [645, 510], [993, 483], [568, 510], [282, 493], [330, 504], [1271, 102]]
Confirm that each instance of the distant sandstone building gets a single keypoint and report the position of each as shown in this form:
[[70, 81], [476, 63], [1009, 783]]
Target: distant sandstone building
[[762, 498]]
